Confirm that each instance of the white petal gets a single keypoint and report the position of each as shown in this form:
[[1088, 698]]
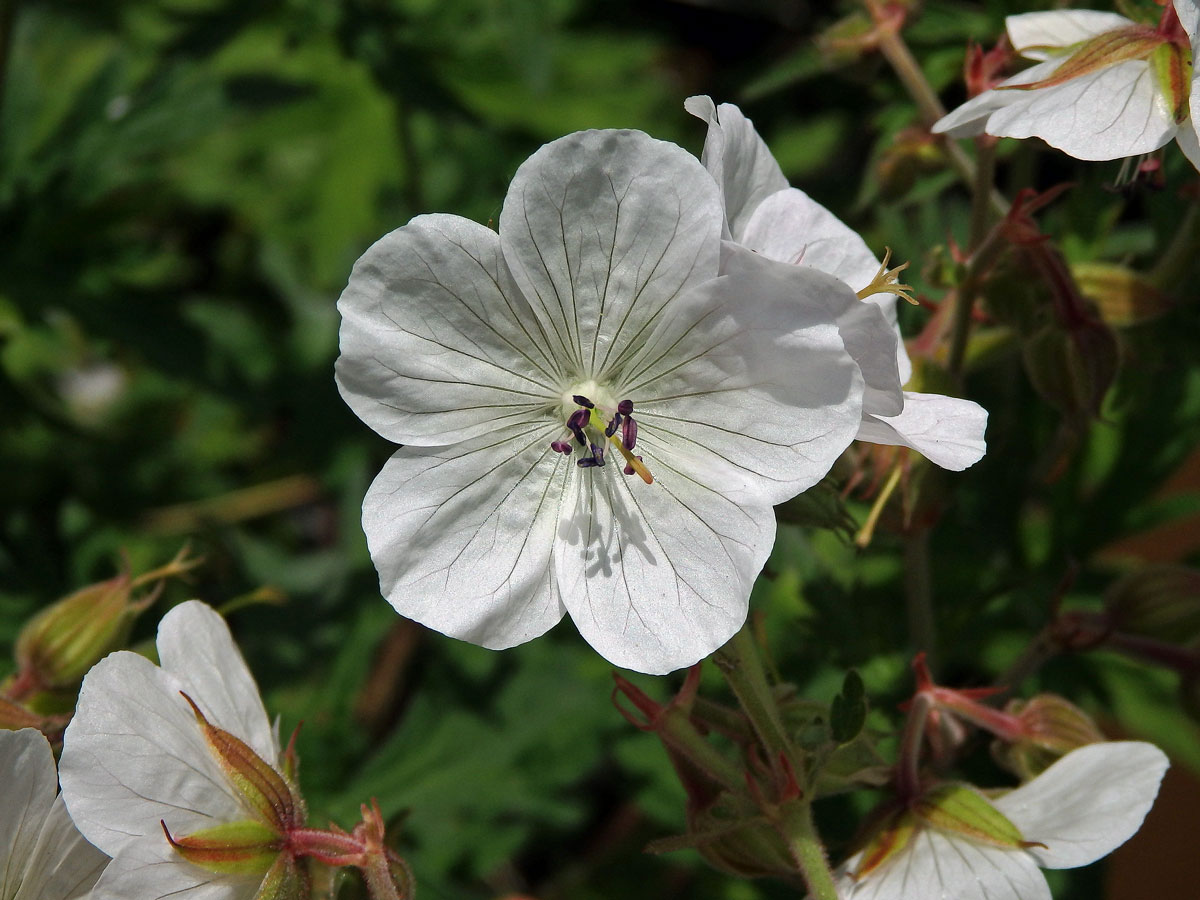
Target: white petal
[[27, 787], [602, 230], [437, 344], [658, 576], [134, 754], [945, 430], [1189, 17], [194, 645], [143, 873], [1110, 114], [63, 866], [462, 535], [738, 159], [1031, 33], [970, 118], [938, 866], [1088, 803], [865, 331], [1188, 137], [791, 227]]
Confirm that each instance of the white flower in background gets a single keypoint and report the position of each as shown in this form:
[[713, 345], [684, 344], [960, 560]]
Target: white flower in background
[[42, 855], [139, 763], [525, 373], [1080, 809], [768, 220], [1104, 87]]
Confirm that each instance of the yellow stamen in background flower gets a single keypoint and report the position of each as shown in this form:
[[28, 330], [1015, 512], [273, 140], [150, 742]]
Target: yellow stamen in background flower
[[634, 463], [886, 281]]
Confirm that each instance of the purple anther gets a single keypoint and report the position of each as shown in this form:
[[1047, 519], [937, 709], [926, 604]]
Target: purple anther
[[583, 401], [587, 462], [598, 454], [629, 433], [560, 447], [613, 424], [625, 407], [579, 419], [628, 470]]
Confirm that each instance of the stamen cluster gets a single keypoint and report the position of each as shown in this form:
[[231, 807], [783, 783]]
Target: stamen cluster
[[621, 419]]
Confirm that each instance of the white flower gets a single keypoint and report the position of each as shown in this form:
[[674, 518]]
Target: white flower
[[468, 347], [42, 855], [1113, 108], [765, 218], [134, 754], [1081, 808]]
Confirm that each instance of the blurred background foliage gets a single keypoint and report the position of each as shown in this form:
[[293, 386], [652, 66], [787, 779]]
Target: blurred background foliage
[[184, 185]]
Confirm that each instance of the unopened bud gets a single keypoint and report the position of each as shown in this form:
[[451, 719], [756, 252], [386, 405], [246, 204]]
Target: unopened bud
[[56, 647], [912, 153], [1122, 296], [1052, 727], [1073, 369], [1160, 602]]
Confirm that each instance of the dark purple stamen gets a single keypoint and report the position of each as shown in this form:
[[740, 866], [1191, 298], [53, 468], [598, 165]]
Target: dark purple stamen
[[628, 470], [625, 407], [583, 401], [560, 447], [629, 432], [587, 462], [579, 419], [613, 424], [598, 453]]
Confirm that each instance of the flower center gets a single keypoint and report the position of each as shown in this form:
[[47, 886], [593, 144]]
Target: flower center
[[593, 420]]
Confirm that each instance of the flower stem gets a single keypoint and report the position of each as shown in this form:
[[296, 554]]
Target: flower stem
[[1172, 268], [8, 18], [918, 593], [908, 70], [740, 663], [807, 851]]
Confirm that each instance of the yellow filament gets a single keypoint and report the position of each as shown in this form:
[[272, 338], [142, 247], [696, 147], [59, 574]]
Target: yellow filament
[[634, 463], [863, 538]]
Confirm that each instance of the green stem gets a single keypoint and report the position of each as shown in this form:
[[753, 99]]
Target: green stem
[[977, 234], [918, 593], [1172, 268], [804, 844], [908, 70], [8, 18], [742, 667]]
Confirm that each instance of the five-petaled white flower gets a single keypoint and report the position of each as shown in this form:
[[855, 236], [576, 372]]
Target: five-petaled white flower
[[137, 763], [526, 371], [42, 855], [771, 226], [1104, 87], [1081, 808]]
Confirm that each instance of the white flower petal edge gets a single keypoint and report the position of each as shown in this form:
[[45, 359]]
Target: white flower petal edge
[[947, 431], [603, 283], [738, 159], [789, 227], [1088, 803], [1041, 35], [134, 754], [1189, 132], [940, 867], [1082, 807], [42, 855], [1112, 113]]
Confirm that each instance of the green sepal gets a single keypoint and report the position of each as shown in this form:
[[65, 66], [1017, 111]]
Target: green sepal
[[960, 809], [244, 847], [848, 713], [287, 880], [1171, 64]]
